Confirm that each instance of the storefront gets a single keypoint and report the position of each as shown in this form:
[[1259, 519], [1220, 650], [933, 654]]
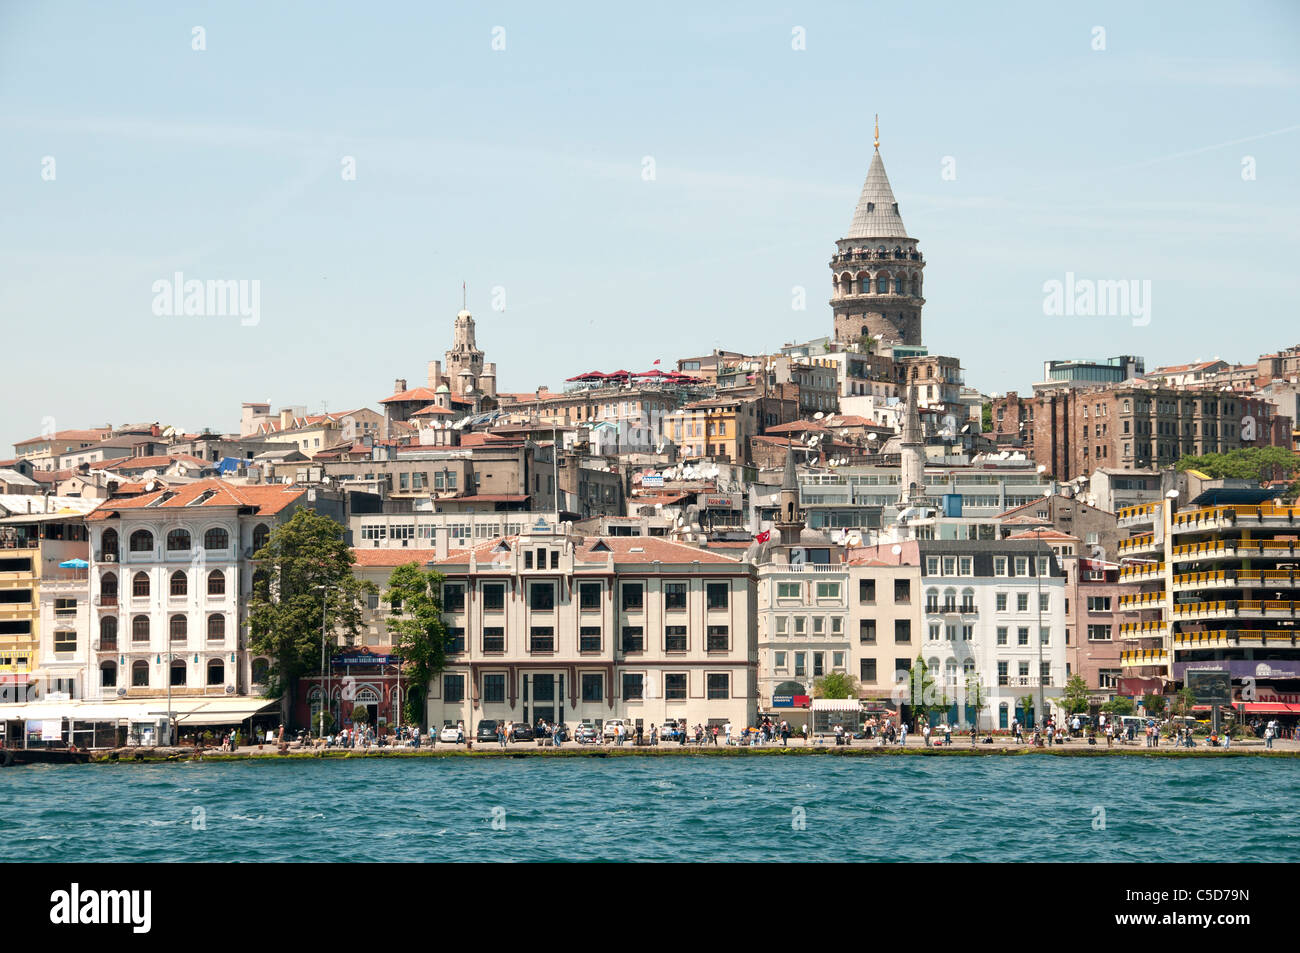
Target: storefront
[[829, 712]]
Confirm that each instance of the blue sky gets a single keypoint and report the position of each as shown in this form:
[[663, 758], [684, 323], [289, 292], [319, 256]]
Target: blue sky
[[522, 169]]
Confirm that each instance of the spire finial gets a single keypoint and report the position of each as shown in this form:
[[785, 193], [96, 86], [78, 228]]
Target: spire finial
[[877, 132]]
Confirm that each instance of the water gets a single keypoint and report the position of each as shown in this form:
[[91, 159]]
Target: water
[[661, 809]]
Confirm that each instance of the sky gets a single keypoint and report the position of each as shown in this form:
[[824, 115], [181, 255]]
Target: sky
[[616, 184]]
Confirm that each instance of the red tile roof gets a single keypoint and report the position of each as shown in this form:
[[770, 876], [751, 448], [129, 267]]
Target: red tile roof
[[266, 498], [433, 410], [395, 557], [650, 549], [93, 436], [415, 393]]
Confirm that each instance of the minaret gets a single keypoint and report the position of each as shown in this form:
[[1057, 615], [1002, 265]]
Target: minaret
[[876, 278], [911, 483], [789, 521]]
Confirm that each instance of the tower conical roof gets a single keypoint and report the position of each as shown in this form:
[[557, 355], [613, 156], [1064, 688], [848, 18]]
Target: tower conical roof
[[877, 213], [791, 479]]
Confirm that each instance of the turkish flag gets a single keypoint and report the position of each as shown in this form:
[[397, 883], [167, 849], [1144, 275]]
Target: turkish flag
[[656, 362], [764, 536]]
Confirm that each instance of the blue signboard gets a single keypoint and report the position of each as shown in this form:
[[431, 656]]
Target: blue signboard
[[365, 660], [782, 701]]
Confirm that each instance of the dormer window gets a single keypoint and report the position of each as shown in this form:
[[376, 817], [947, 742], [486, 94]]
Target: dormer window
[[871, 206]]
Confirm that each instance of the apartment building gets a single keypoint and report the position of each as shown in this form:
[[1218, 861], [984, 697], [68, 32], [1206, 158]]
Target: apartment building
[[565, 628], [1214, 581], [884, 622], [170, 578], [1073, 432], [40, 602]]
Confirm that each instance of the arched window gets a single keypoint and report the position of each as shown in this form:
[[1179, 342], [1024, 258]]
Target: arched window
[[932, 600], [108, 589], [142, 541], [898, 285], [933, 665], [968, 667], [216, 538], [140, 629], [216, 583], [108, 675], [180, 583], [108, 544], [864, 283], [179, 627], [108, 633], [882, 284], [968, 600], [916, 287], [216, 671], [262, 671], [140, 674], [261, 533], [140, 585], [178, 541], [950, 600], [177, 672], [216, 628], [950, 671]]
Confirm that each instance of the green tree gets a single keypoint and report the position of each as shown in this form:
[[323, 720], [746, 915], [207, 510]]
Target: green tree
[[1075, 699], [360, 715], [926, 695], [1184, 699], [836, 685], [421, 638], [976, 695], [289, 608], [1247, 463], [1154, 704], [986, 418], [1119, 705]]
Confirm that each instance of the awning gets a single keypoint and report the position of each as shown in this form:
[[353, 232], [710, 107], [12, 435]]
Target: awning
[[836, 704], [188, 711], [1271, 708], [211, 711]]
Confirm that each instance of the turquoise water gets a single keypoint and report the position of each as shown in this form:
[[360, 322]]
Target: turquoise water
[[661, 809]]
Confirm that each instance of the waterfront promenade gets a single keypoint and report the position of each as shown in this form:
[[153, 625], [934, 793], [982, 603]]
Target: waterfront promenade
[[1002, 746]]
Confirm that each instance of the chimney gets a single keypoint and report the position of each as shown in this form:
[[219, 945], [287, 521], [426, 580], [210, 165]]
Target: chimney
[[286, 418], [154, 431], [440, 543], [399, 385]]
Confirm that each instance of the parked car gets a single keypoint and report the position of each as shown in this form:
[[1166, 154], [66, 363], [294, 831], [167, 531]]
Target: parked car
[[670, 730], [612, 726], [586, 734], [521, 732], [452, 734], [487, 730]]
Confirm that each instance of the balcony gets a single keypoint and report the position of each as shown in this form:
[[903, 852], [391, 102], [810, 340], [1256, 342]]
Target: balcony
[[1143, 630], [106, 601], [1138, 544], [1142, 600], [1144, 657], [1222, 517], [1141, 572], [1214, 549], [1234, 638], [1023, 681], [1237, 609], [1139, 515], [1237, 579]]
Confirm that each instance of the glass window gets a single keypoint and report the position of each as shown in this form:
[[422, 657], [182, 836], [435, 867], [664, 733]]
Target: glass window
[[453, 688], [633, 597], [719, 685], [675, 638], [494, 597], [541, 596], [494, 639], [828, 590], [716, 594], [674, 595], [541, 638], [453, 597], [675, 686], [632, 686], [633, 638], [787, 590], [589, 638], [589, 595], [593, 687], [719, 639], [494, 688]]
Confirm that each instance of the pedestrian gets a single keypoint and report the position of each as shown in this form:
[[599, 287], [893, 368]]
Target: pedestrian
[[925, 732], [947, 734], [973, 733], [728, 731], [902, 736], [1268, 735], [785, 734]]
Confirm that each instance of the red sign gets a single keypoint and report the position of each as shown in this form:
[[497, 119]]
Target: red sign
[[802, 701]]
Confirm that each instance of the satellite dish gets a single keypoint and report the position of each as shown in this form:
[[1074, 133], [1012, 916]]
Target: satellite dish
[[855, 539], [897, 550], [1042, 467], [871, 436], [818, 416]]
